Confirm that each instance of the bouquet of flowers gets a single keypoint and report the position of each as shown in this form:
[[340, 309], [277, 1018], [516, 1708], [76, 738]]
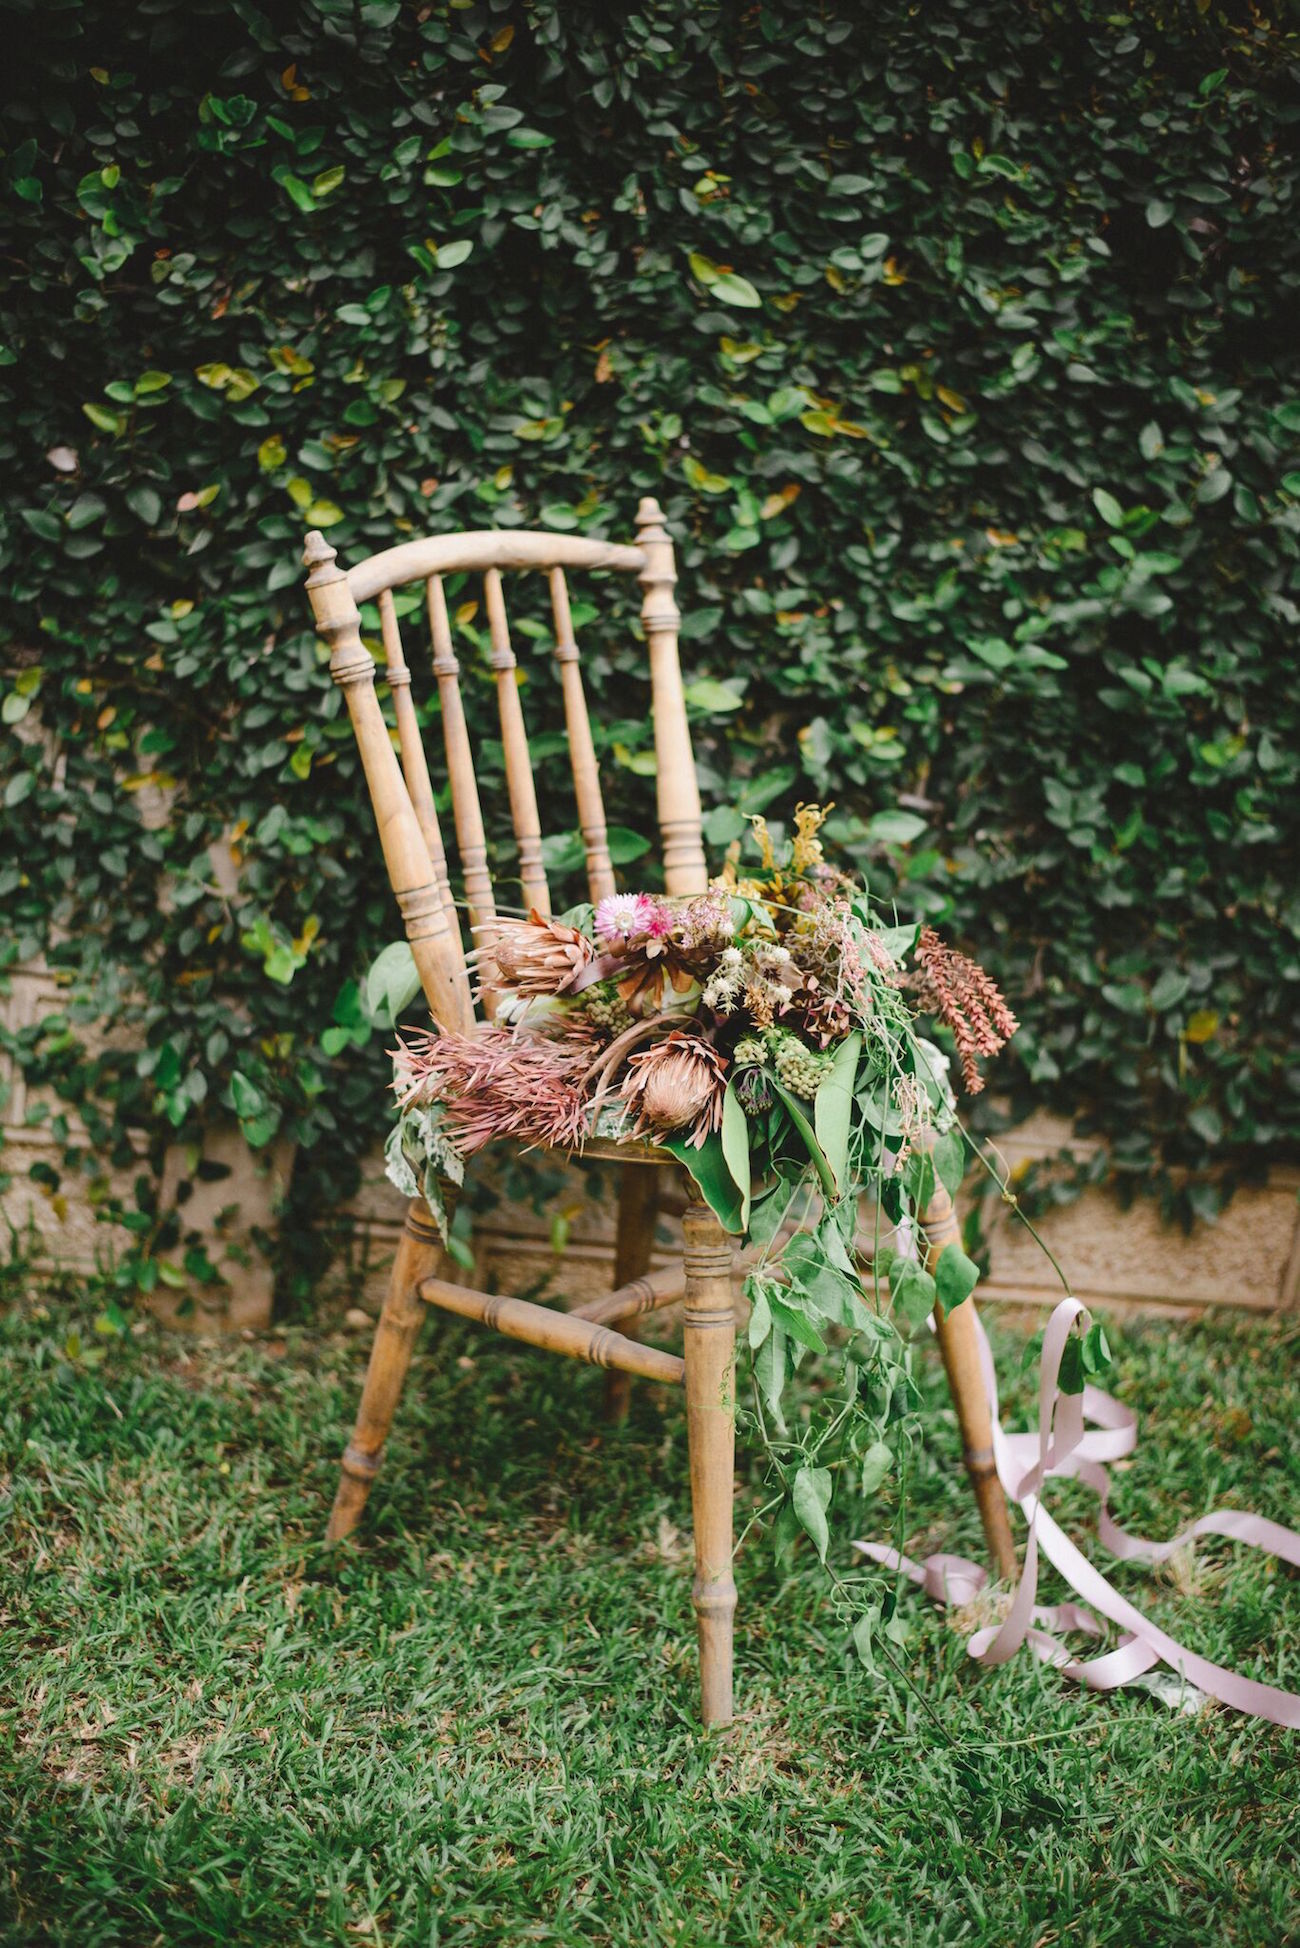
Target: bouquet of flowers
[[764, 1033]]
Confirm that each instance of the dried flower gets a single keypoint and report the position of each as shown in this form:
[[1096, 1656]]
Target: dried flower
[[502, 1082], [533, 956], [961, 995], [676, 1085], [622, 916]]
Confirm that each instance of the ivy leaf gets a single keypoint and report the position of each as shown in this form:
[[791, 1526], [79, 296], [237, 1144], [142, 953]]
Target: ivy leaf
[[451, 254], [391, 984], [1108, 507], [737, 291], [811, 1497]]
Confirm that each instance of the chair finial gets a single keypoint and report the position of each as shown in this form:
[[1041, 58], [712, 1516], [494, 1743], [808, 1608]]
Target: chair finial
[[650, 520], [317, 553]]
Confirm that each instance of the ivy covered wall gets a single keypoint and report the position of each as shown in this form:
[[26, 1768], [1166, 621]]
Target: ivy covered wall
[[959, 343]]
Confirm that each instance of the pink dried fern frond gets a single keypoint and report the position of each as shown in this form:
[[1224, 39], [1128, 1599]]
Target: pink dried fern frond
[[503, 1083]]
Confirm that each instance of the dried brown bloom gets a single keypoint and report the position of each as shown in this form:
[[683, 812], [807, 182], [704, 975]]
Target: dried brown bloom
[[504, 1082], [533, 957], [959, 993], [677, 1084]]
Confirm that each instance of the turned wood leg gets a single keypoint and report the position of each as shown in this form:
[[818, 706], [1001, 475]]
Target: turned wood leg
[[638, 1205], [419, 1256], [711, 1430], [960, 1349]]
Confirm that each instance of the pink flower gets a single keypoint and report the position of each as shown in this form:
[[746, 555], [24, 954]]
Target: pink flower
[[621, 916]]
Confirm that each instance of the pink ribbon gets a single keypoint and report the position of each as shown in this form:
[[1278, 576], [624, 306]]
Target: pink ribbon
[[1062, 1445]]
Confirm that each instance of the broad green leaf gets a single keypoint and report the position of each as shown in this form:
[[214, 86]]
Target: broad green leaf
[[811, 1497], [913, 1291], [737, 291], [955, 1277], [391, 984], [833, 1106], [760, 1315], [808, 1136], [876, 1464], [949, 1159], [451, 254], [1108, 507], [735, 1149], [708, 1166], [795, 1324]]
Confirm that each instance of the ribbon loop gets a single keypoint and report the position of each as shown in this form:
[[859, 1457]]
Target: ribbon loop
[[1076, 1435]]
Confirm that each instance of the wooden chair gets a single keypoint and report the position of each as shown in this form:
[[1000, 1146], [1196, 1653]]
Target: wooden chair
[[603, 1332]]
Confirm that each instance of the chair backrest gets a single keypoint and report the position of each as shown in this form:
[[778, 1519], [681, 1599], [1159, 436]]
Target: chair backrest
[[402, 794]]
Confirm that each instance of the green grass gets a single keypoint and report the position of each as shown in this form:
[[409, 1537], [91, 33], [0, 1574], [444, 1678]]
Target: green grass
[[479, 1726]]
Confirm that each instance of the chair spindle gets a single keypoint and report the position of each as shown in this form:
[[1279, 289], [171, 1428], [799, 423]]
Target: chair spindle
[[582, 751], [410, 869], [514, 743], [676, 789], [415, 765], [471, 840]]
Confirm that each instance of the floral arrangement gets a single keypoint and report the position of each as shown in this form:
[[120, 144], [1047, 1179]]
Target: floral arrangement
[[765, 1033]]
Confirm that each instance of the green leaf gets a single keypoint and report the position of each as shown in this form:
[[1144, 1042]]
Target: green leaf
[[246, 1096], [737, 291], [451, 254], [735, 1149], [811, 1497], [760, 1314], [391, 983], [955, 1277], [863, 1631], [296, 190], [770, 1370], [709, 1168], [146, 504], [1108, 507], [913, 1292], [715, 698], [895, 828], [817, 1156], [876, 1464], [833, 1106], [949, 1159], [795, 1323], [1159, 212]]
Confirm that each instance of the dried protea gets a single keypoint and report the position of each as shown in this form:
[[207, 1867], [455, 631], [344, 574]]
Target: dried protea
[[677, 1085], [533, 957], [962, 995]]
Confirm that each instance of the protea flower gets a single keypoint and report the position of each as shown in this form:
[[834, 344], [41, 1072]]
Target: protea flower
[[676, 1085], [533, 957]]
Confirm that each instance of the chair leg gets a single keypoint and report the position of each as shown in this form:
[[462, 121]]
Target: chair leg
[[638, 1205], [960, 1350], [711, 1431], [419, 1256]]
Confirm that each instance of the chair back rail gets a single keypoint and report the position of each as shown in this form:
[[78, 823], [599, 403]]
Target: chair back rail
[[400, 786]]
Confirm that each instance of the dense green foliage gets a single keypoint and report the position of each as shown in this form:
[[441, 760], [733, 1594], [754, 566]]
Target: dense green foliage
[[481, 1726], [958, 343]]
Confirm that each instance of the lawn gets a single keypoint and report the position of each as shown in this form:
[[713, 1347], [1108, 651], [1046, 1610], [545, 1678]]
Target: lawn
[[479, 1726]]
